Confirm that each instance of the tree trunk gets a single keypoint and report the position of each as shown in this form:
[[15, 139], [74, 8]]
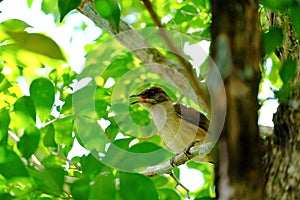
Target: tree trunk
[[282, 156], [236, 49]]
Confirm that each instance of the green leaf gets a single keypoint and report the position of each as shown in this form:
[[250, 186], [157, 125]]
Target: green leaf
[[104, 187], [49, 180], [148, 147], [277, 5], [49, 136], [295, 19], [37, 43], [144, 147], [109, 10], [66, 6], [80, 189], [288, 70], [52, 160], [29, 142], [24, 107], [159, 180], [91, 167], [185, 14], [119, 67], [283, 93], [29, 3], [4, 83], [136, 187], [42, 93], [117, 151], [67, 107], [204, 4], [53, 75], [15, 55], [50, 7], [272, 39], [14, 25], [4, 123], [20, 186], [112, 130], [166, 193], [63, 131], [10, 164]]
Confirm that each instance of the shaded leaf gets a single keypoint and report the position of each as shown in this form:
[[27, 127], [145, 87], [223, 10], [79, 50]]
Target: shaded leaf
[[80, 189], [295, 19], [288, 70], [276, 5], [136, 187], [4, 83], [29, 142], [37, 43], [24, 107], [117, 151], [4, 123], [186, 13], [65, 6], [20, 186], [42, 93], [63, 131], [148, 147], [204, 4], [159, 180], [49, 180], [166, 193], [283, 93], [67, 107], [272, 39], [49, 136], [91, 167], [10, 164], [104, 187]]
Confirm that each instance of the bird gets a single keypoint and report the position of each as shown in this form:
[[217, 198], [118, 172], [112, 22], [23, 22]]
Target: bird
[[180, 126]]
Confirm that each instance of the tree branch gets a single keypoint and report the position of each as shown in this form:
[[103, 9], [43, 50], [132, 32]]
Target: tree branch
[[166, 168], [187, 65], [148, 54]]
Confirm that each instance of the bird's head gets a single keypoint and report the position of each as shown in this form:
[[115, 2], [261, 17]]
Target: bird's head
[[151, 96]]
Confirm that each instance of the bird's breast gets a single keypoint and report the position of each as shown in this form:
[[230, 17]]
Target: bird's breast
[[176, 133]]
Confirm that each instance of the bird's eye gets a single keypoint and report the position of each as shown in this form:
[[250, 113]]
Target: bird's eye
[[160, 97]]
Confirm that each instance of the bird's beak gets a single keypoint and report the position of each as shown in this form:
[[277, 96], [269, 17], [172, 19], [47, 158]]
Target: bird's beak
[[137, 96]]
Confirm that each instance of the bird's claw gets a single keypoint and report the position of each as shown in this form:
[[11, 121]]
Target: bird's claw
[[172, 160], [187, 152]]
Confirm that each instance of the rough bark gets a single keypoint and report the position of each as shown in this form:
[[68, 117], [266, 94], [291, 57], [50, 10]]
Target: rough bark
[[237, 52], [281, 159]]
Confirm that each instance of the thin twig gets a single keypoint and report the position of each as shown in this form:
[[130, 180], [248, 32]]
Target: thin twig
[[59, 155], [180, 184]]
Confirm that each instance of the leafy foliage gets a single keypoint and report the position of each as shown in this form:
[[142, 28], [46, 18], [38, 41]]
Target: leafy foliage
[[282, 71], [39, 123], [66, 6]]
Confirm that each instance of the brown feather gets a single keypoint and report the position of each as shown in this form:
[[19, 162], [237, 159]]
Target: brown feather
[[191, 115]]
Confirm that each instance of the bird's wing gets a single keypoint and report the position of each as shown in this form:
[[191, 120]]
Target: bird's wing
[[191, 115]]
